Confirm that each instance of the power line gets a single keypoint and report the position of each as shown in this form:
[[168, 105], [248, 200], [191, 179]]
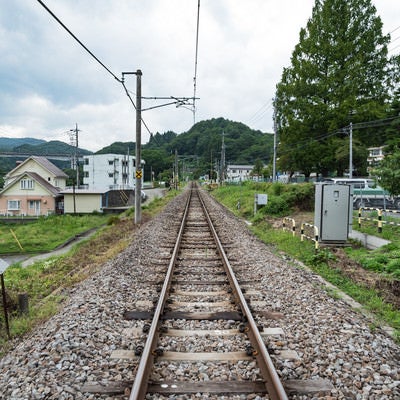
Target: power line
[[77, 40], [360, 125], [260, 112], [178, 101], [95, 58], [195, 62]]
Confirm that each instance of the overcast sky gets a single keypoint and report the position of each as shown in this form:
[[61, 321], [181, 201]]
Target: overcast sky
[[49, 83]]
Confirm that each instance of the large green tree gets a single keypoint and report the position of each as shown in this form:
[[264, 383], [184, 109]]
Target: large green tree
[[388, 173], [340, 72]]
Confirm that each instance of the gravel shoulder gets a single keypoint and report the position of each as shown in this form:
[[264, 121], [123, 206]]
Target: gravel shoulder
[[73, 348]]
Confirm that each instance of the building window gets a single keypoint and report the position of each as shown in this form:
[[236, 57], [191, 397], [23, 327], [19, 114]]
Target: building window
[[110, 174], [86, 174], [13, 204], [26, 184], [33, 204], [110, 162], [86, 161]]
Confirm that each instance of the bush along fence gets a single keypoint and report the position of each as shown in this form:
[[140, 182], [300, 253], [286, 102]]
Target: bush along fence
[[380, 222], [307, 231]]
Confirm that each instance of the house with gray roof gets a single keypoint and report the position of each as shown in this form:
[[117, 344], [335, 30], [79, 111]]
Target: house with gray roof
[[33, 188]]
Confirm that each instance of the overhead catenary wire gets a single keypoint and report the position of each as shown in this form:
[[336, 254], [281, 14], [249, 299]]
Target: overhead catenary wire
[[360, 125]]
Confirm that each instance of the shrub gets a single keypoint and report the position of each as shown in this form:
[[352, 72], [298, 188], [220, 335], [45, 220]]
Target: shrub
[[276, 206], [372, 264], [113, 219], [393, 265]]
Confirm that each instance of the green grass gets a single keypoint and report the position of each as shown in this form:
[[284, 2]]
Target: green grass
[[42, 280], [46, 233], [383, 260]]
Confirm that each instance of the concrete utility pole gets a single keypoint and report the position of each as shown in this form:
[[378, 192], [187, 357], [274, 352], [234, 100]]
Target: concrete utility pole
[[351, 152], [274, 156], [138, 163], [222, 166], [75, 157], [176, 171]]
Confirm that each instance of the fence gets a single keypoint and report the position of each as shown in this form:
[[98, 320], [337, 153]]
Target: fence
[[303, 234], [380, 222]]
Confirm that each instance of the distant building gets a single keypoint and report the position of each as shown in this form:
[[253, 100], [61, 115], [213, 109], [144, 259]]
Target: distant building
[[238, 173], [33, 188], [109, 171], [375, 155]]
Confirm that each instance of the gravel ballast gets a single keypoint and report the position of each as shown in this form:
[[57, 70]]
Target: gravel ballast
[[332, 341]]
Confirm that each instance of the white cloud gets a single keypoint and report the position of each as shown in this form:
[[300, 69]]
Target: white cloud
[[49, 82]]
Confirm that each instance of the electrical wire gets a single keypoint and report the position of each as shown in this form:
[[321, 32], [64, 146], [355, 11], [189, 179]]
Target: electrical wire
[[195, 62], [360, 125], [95, 58], [260, 112], [77, 40]]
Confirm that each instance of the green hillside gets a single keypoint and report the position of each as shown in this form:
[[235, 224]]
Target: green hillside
[[199, 147]]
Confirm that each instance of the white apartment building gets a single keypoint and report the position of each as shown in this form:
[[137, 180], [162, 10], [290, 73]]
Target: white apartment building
[[109, 171], [237, 173], [375, 155]]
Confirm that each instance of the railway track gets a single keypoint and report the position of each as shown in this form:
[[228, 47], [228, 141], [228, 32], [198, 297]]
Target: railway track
[[201, 336]]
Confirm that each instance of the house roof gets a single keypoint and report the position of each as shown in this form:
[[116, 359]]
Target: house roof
[[37, 178], [45, 163]]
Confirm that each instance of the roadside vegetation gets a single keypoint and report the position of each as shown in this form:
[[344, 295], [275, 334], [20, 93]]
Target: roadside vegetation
[[46, 282], [371, 277], [46, 233]]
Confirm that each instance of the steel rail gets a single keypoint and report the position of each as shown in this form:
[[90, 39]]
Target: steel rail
[[272, 382], [140, 384]]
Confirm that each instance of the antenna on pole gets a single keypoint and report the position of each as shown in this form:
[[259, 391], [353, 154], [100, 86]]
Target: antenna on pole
[[73, 138]]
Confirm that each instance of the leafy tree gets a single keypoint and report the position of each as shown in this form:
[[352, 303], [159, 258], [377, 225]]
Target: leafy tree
[[388, 173], [339, 73], [258, 167], [157, 161]]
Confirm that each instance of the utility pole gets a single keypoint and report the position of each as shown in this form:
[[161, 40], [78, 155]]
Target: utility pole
[[138, 162], [138, 156], [73, 134], [222, 166], [75, 156], [351, 152], [176, 171], [274, 156]]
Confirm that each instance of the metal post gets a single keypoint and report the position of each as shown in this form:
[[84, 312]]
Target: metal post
[[3, 290], [138, 177], [351, 152]]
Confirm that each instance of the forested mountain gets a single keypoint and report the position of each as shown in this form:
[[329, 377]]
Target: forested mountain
[[118, 148], [198, 148], [34, 147], [8, 144], [204, 140], [53, 147], [201, 147]]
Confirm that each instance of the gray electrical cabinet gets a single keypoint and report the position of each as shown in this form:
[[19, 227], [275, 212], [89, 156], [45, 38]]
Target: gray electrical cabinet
[[333, 212]]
